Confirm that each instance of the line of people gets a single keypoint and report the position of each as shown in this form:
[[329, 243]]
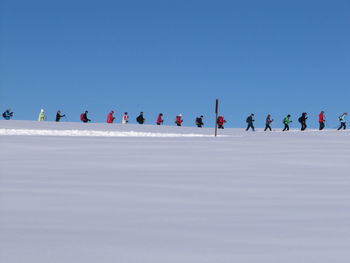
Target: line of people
[[302, 120], [8, 114]]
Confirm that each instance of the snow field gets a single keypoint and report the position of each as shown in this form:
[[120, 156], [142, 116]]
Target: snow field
[[244, 197]]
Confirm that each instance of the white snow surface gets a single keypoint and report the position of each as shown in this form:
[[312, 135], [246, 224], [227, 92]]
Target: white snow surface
[[133, 193]]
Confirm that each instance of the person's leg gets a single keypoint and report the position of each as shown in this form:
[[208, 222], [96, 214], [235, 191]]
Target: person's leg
[[341, 126], [253, 128], [344, 125], [270, 128], [266, 127]]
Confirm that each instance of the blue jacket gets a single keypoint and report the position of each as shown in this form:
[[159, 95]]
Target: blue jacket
[[342, 118]]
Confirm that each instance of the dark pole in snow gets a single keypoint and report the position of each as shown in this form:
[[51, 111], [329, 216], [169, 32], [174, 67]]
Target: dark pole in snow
[[216, 117]]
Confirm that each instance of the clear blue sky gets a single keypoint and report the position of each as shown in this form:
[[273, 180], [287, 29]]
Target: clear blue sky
[[275, 57]]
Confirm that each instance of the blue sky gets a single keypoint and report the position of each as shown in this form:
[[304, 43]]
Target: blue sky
[[275, 57]]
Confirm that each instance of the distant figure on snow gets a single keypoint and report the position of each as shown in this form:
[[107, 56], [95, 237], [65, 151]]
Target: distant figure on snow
[[140, 119], [342, 119], [302, 119], [286, 122], [84, 117], [8, 114], [160, 119], [42, 116], [178, 120], [221, 121], [199, 121], [125, 119], [110, 117], [321, 120], [268, 122], [59, 116], [250, 121]]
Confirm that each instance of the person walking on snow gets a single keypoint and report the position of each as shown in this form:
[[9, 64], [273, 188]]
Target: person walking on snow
[[178, 120], [268, 122], [84, 117], [321, 120], [302, 119], [160, 119], [250, 120], [59, 116], [140, 119], [110, 117], [221, 121], [286, 122], [342, 119], [199, 121], [125, 119], [7, 114], [42, 116]]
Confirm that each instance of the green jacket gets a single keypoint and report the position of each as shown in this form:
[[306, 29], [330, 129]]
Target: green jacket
[[286, 120], [41, 116]]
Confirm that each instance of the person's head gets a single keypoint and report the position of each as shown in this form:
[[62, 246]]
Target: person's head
[[202, 116], [126, 113], [112, 111], [58, 111], [345, 113], [252, 114], [268, 115], [322, 112], [86, 111], [42, 110], [160, 114], [288, 116], [141, 113]]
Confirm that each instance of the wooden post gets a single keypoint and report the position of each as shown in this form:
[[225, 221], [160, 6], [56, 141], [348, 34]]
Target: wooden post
[[216, 117]]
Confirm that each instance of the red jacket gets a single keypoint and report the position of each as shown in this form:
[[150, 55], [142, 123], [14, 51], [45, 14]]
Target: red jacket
[[321, 117], [159, 120], [221, 120], [110, 117], [178, 120]]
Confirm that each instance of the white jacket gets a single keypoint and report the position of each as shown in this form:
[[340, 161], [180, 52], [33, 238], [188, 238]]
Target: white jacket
[[125, 119]]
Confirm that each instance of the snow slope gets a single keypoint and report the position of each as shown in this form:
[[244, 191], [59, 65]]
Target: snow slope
[[172, 194]]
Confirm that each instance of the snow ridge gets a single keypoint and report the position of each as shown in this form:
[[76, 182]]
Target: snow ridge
[[94, 133]]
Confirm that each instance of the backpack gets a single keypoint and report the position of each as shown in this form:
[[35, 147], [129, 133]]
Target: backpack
[[82, 117], [247, 120], [4, 115], [300, 119]]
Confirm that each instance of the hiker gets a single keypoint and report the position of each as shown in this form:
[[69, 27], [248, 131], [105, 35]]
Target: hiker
[[302, 119], [199, 121], [268, 122], [125, 119], [8, 114], [160, 119], [110, 117], [140, 119], [250, 120], [221, 121], [286, 122], [342, 119], [42, 116], [178, 120], [321, 120], [84, 117], [59, 116]]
